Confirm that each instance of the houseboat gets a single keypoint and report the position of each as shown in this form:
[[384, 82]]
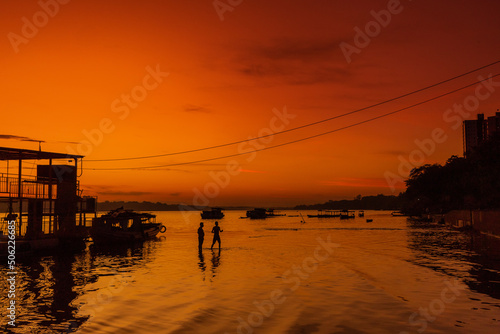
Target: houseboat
[[122, 225], [214, 213], [347, 214], [260, 213], [326, 214]]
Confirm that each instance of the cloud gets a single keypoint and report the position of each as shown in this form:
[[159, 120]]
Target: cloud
[[196, 108], [21, 138], [111, 190], [125, 193], [296, 50], [359, 183], [294, 61]]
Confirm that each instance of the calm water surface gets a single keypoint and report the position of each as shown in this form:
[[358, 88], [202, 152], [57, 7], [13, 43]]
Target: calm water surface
[[271, 276]]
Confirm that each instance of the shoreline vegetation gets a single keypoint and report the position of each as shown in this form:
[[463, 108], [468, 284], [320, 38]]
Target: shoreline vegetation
[[462, 183]]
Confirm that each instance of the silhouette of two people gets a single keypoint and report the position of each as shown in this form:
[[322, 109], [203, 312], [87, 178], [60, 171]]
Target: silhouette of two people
[[201, 235]]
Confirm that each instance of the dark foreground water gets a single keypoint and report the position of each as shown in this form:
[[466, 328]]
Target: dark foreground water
[[271, 276]]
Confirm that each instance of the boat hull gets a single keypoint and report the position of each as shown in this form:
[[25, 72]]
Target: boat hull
[[103, 235]]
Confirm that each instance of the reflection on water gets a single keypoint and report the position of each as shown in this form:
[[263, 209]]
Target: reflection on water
[[381, 274], [472, 256], [215, 261], [202, 264], [48, 286]]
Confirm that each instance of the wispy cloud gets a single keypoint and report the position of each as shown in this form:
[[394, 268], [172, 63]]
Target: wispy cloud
[[359, 182], [125, 193], [295, 61], [21, 138], [195, 108], [114, 191]]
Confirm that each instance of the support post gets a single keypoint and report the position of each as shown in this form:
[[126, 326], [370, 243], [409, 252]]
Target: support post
[[51, 228], [20, 192]]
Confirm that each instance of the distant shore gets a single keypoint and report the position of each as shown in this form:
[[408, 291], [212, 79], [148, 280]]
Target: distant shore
[[379, 202]]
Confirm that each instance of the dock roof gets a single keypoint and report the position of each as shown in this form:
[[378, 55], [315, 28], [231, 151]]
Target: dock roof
[[9, 153]]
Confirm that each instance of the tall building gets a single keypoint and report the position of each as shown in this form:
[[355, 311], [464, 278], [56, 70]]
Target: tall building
[[474, 133], [477, 131], [493, 124]]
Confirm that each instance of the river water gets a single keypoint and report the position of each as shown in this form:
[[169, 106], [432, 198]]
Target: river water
[[270, 276]]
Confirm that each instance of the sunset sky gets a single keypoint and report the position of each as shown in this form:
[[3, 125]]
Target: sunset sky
[[151, 77]]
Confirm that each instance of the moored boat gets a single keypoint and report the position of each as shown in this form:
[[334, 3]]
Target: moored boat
[[326, 214], [125, 226], [397, 214], [260, 213], [214, 213], [347, 214]]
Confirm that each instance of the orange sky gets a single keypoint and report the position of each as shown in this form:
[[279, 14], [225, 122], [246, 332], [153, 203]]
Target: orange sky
[[224, 80]]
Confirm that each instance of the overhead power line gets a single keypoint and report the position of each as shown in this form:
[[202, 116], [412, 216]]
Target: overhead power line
[[301, 139], [302, 126]]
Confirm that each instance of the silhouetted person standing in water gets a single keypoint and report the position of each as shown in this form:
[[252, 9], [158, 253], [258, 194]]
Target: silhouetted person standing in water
[[201, 236], [215, 230]]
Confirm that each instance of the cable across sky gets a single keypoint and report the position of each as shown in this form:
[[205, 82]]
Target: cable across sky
[[301, 139], [302, 126]]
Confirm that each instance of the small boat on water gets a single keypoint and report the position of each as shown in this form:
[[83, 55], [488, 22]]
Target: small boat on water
[[361, 213], [369, 220], [260, 213], [122, 225], [347, 214], [397, 214], [326, 214], [214, 213]]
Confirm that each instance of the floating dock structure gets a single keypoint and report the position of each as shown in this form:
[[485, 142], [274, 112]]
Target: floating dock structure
[[43, 198]]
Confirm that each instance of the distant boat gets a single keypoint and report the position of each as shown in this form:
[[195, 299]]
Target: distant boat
[[361, 213], [326, 214], [347, 214], [260, 213], [125, 226], [397, 213], [369, 220], [214, 213]]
